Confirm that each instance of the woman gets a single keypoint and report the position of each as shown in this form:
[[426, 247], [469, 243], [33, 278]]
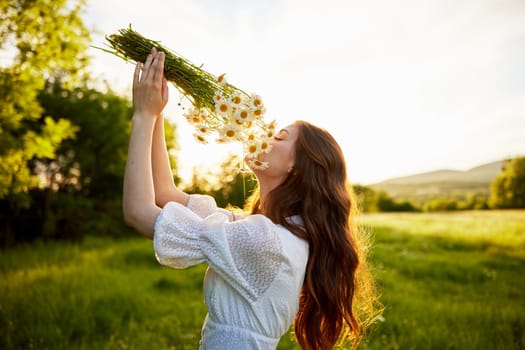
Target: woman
[[292, 259]]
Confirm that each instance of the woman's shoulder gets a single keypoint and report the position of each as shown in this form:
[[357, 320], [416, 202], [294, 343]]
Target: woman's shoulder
[[264, 235], [291, 242], [254, 227]]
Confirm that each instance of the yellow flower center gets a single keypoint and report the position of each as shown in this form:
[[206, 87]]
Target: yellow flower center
[[244, 114], [230, 133], [257, 102], [236, 100], [252, 149], [258, 112], [223, 107]]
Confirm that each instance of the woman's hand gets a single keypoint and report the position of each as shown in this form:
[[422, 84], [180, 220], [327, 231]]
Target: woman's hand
[[150, 90]]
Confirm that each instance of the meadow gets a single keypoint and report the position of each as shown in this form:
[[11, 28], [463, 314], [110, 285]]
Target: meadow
[[447, 281]]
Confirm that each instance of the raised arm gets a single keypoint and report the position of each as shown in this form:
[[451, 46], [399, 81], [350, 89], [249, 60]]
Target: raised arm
[[150, 96], [165, 189]]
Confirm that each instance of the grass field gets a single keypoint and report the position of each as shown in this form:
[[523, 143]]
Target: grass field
[[448, 281]]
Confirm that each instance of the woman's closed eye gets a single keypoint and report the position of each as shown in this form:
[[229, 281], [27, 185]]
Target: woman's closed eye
[[281, 135]]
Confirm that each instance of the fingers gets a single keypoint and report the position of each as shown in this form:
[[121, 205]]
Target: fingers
[[158, 66], [154, 67], [165, 90], [147, 65], [136, 74], [150, 89]]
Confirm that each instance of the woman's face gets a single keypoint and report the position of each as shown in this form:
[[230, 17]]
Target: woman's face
[[281, 158]]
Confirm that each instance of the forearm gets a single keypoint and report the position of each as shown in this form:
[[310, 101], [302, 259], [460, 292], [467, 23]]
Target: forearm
[[165, 189], [139, 207]]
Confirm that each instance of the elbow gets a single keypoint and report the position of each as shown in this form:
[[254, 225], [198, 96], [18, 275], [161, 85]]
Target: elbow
[[130, 218], [141, 220], [163, 197], [161, 201]]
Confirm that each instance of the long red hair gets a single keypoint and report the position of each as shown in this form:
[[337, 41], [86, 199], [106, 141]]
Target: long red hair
[[317, 189]]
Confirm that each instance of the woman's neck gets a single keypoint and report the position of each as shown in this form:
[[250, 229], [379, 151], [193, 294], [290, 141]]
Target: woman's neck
[[263, 195], [266, 185]]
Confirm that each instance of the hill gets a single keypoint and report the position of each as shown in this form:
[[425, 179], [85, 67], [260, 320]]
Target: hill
[[445, 182]]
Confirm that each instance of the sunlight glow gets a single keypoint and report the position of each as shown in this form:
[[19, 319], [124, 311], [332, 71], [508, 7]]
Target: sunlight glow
[[404, 89]]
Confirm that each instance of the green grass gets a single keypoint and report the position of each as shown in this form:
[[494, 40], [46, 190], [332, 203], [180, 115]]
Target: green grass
[[448, 281]]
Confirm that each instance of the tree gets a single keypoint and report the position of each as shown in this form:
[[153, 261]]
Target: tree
[[89, 167], [80, 188], [230, 186], [508, 188], [440, 204], [366, 198], [379, 201], [48, 40]]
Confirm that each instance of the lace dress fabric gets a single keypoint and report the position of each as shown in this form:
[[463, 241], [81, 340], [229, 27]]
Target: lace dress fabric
[[255, 270]]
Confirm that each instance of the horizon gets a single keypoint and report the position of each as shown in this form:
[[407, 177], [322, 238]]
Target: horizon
[[428, 86], [459, 171]]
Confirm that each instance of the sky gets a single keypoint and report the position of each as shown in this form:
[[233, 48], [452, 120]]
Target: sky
[[405, 86]]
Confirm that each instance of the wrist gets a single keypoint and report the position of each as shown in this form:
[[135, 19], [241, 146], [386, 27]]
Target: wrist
[[143, 117], [140, 121]]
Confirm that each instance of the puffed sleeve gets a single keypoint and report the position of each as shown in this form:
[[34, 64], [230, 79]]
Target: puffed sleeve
[[246, 253], [204, 205]]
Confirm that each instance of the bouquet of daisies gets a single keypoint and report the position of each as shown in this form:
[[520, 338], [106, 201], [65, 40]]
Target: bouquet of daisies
[[217, 107]]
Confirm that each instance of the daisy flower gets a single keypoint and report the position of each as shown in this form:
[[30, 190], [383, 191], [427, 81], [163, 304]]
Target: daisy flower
[[203, 115], [257, 164], [237, 100], [217, 96], [250, 136], [243, 116], [230, 132], [223, 107], [203, 129], [200, 138], [265, 146], [256, 101], [252, 149], [221, 79], [193, 116], [258, 112]]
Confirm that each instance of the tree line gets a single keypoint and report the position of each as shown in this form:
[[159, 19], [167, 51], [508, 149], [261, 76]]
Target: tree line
[[63, 141], [506, 191]]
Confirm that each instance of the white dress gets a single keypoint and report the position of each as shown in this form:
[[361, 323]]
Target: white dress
[[255, 270]]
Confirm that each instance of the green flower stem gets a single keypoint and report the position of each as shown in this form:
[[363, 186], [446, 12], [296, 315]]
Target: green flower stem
[[193, 82]]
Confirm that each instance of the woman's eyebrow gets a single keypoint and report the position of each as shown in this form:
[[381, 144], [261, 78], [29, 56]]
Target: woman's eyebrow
[[280, 131]]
